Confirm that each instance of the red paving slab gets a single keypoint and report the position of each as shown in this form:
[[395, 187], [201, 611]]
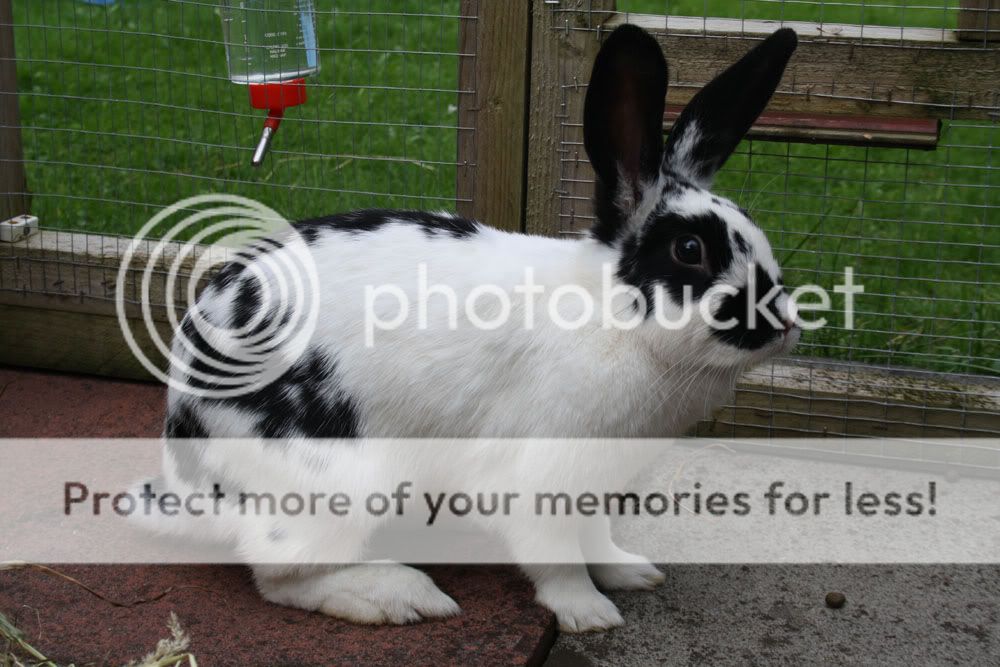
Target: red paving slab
[[228, 622], [38, 404]]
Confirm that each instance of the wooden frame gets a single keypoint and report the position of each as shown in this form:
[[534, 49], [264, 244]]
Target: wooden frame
[[811, 398], [57, 301], [919, 133], [491, 185], [979, 20], [550, 106], [839, 69], [13, 184], [879, 74]]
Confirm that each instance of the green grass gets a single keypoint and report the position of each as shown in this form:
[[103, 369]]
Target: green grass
[[911, 13], [129, 108], [132, 103], [921, 228]]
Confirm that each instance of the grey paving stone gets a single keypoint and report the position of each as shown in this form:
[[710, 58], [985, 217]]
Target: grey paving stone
[[776, 614]]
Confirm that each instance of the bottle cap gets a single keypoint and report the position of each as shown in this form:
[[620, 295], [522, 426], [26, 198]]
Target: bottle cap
[[277, 95]]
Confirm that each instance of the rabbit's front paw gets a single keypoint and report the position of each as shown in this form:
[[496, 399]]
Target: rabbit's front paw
[[638, 576], [583, 611], [370, 593]]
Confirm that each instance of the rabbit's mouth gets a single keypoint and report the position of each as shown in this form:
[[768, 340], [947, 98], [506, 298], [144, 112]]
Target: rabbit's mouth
[[790, 338]]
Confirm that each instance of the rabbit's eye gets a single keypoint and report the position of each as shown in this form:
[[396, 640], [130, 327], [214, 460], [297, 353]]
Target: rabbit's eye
[[688, 249]]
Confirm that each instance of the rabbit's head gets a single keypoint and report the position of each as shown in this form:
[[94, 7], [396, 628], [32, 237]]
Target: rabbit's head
[[680, 245]]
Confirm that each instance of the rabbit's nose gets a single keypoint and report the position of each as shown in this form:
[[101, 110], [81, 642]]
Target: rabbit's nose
[[790, 316]]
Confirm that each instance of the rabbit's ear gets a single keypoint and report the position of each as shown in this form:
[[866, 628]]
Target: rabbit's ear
[[623, 124], [717, 118]]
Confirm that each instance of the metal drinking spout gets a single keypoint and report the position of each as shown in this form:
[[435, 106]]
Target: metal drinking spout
[[275, 97], [271, 124]]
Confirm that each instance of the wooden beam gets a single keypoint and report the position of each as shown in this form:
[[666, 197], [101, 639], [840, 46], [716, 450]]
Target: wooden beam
[[809, 398], [563, 46], [839, 69], [979, 20], [491, 157], [13, 183], [78, 272], [74, 342], [920, 133]]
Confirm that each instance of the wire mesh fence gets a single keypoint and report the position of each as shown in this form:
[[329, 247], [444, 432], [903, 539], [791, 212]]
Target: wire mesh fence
[[942, 15], [919, 227], [127, 108]]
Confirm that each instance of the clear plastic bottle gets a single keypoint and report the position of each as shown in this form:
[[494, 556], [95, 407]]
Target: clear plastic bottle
[[270, 47], [269, 40]]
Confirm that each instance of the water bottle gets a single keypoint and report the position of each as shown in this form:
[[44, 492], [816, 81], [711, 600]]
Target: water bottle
[[270, 47], [269, 40]]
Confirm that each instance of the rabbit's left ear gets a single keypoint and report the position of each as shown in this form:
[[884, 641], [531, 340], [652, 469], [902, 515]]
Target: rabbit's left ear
[[623, 124], [716, 119]]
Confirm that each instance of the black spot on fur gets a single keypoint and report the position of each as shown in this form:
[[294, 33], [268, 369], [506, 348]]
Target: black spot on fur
[[227, 274], [678, 182], [182, 422], [234, 268], [303, 401], [203, 364], [309, 233], [736, 307], [246, 303], [741, 243], [367, 221], [649, 262]]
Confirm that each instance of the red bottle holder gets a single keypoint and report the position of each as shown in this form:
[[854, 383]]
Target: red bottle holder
[[275, 97]]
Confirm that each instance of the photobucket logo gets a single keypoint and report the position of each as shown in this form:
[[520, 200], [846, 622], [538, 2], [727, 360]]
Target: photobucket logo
[[608, 304], [254, 321]]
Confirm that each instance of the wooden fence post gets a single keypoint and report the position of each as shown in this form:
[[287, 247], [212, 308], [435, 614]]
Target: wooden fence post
[[554, 36], [13, 184], [979, 20], [491, 111]]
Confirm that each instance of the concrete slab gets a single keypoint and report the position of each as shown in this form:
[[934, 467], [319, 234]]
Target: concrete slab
[[723, 615]]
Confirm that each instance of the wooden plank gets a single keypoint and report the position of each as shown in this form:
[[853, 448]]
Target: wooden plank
[[73, 342], [979, 20], [563, 46], [491, 158], [920, 133], [77, 271], [13, 182], [809, 398], [839, 69]]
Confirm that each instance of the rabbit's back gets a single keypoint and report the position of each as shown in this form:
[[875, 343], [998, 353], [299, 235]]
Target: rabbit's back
[[435, 373]]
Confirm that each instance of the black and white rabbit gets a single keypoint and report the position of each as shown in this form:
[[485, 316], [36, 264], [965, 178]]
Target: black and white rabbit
[[658, 228]]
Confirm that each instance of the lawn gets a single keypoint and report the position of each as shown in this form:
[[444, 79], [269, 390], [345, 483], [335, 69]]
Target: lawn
[[128, 108]]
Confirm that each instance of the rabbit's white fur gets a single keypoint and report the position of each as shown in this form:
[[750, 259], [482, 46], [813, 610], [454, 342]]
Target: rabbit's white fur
[[510, 381], [463, 381]]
